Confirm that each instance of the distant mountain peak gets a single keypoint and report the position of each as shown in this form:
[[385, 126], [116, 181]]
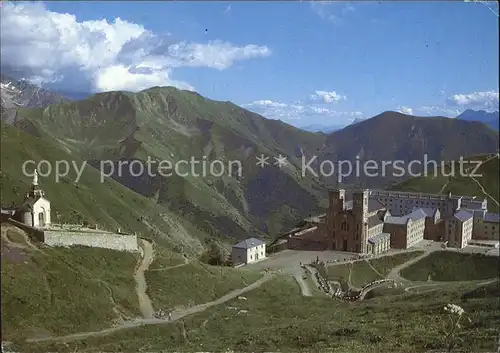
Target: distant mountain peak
[[491, 119], [21, 93]]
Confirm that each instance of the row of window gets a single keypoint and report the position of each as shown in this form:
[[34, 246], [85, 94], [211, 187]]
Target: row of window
[[261, 254]]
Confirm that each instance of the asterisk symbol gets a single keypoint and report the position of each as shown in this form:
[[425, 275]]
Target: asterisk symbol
[[262, 161], [280, 161]]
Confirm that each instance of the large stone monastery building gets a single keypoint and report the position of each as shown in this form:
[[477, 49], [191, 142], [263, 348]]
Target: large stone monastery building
[[373, 221]]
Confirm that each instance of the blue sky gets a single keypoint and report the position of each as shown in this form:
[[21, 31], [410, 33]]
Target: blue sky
[[303, 62]]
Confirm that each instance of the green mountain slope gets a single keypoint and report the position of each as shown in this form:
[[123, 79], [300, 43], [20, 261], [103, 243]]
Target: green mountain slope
[[108, 204], [485, 186], [165, 124]]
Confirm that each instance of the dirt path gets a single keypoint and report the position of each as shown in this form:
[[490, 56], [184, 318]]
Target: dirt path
[[304, 287], [186, 261], [483, 190], [121, 316], [145, 304], [444, 187], [27, 241], [374, 269], [349, 282], [438, 285], [364, 292], [176, 315], [312, 270], [479, 184], [467, 170], [394, 274]]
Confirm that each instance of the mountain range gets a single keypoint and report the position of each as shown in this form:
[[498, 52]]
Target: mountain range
[[321, 128], [327, 129], [167, 124], [15, 93], [490, 119]]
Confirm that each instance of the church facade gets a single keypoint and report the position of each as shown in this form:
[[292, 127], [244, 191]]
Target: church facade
[[33, 216], [35, 209]]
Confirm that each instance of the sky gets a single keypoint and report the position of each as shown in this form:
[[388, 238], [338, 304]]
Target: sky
[[305, 63]]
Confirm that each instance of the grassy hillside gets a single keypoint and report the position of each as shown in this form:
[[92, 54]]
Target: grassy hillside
[[279, 318], [56, 291], [461, 185], [393, 136], [60, 291], [108, 204], [451, 266], [362, 272], [194, 284]]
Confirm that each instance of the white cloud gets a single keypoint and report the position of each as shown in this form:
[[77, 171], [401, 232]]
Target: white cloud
[[316, 106], [295, 111], [429, 110], [488, 100], [327, 97], [406, 110], [54, 47], [268, 103], [333, 11]]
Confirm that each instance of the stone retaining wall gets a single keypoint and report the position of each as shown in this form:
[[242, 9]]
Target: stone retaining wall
[[114, 241]]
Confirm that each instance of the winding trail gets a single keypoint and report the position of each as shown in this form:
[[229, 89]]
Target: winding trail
[[145, 304], [444, 187], [483, 190], [497, 155], [467, 170], [365, 291], [27, 241], [176, 315], [165, 268], [374, 269], [394, 274], [304, 287]]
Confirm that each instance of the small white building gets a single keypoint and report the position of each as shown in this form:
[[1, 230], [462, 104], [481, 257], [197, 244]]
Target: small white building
[[35, 210], [248, 251]]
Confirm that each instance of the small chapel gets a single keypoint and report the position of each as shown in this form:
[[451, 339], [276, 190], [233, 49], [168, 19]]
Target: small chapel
[[35, 209]]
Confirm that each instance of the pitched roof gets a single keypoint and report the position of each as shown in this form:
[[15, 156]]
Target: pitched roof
[[463, 215], [396, 220], [475, 213], [417, 214], [248, 243], [473, 204], [491, 217], [375, 205], [374, 221], [429, 211], [379, 237]]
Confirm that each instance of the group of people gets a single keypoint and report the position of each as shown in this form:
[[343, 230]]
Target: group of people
[[160, 314]]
